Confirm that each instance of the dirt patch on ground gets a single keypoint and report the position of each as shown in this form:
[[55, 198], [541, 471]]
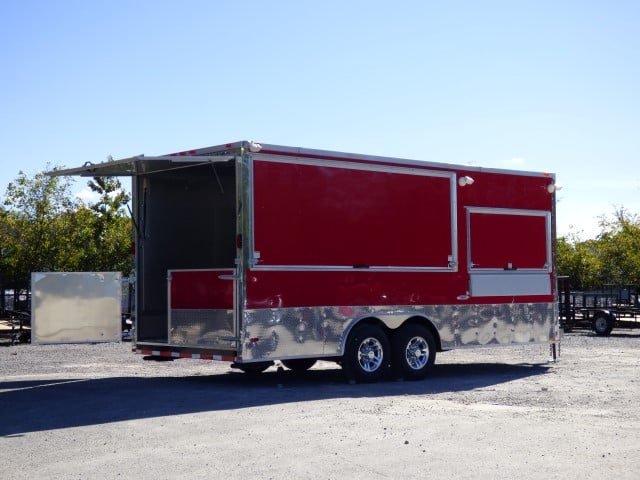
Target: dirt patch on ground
[[99, 411]]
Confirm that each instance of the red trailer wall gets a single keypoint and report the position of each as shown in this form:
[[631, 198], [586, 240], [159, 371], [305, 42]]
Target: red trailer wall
[[310, 215]]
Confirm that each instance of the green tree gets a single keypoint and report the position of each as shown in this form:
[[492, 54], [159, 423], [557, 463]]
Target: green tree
[[110, 226], [43, 228], [33, 227], [579, 260], [619, 248], [113, 197], [5, 271], [613, 257]]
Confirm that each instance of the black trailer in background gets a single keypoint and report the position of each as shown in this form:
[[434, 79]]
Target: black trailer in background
[[15, 315], [613, 306]]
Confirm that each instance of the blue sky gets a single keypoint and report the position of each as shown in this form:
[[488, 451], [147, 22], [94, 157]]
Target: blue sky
[[533, 85]]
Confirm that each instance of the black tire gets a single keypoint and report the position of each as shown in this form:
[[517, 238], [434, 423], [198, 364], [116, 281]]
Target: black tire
[[414, 351], [299, 364], [24, 337], [253, 368], [367, 354], [158, 358], [602, 324]]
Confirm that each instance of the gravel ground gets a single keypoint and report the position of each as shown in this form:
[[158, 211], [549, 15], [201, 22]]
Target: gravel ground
[[98, 411]]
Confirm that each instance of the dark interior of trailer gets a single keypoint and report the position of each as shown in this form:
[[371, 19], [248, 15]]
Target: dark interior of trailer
[[186, 219]]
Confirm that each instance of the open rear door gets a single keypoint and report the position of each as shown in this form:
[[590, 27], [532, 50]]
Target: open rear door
[[185, 214]]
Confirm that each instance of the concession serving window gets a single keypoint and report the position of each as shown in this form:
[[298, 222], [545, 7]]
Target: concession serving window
[[508, 251]]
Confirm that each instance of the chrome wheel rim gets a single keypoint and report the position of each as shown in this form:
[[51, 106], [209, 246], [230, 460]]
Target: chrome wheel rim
[[370, 354], [417, 353]]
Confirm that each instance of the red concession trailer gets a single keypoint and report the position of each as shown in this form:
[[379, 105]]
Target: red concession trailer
[[253, 253]]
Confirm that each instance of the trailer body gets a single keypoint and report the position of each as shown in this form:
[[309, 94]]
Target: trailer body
[[253, 253]]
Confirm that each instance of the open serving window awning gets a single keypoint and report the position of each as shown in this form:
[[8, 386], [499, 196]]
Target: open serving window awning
[[139, 165]]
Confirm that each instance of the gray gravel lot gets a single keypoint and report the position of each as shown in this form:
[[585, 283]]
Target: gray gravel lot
[[99, 411]]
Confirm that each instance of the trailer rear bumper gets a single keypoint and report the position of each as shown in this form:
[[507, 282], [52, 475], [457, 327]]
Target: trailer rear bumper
[[167, 351]]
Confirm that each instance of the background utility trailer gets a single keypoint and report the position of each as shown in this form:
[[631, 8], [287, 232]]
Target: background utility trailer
[[613, 306], [254, 253]]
